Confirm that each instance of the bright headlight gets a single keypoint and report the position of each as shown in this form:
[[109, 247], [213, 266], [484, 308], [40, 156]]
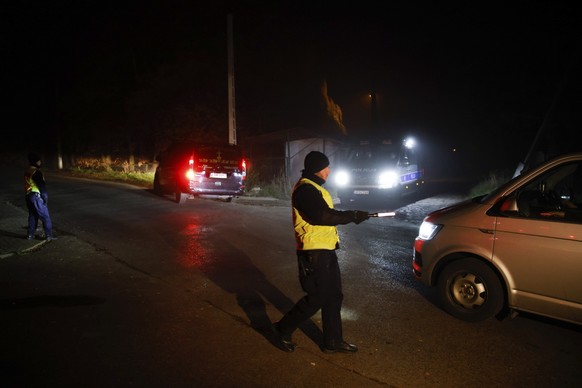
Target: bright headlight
[[388, 179], [428, 230], [342, 178], [409, 143]]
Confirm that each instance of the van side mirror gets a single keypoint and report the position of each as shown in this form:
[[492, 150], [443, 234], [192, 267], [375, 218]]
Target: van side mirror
[[509, 204], [505, 207]]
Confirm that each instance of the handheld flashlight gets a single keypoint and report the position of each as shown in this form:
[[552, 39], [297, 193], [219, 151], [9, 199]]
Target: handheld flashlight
[[384, 214]]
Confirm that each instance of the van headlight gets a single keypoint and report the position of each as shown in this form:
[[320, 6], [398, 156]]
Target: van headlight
[[342, 178], [388, 179], [428, 230]]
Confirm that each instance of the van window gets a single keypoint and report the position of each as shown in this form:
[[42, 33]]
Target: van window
[[555, 195]]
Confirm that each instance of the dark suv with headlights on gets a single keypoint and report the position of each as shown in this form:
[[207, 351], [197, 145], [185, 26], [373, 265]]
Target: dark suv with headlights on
[[378, 169], [191, 169]]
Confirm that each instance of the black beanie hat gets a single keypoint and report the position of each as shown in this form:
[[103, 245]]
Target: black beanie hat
[[315, 161], [33, 158]]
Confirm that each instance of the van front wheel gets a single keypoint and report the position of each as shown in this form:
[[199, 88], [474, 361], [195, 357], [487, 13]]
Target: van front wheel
[[470, 290]]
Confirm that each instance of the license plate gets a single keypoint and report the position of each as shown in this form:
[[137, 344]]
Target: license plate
[[361, 192], [220, 175]]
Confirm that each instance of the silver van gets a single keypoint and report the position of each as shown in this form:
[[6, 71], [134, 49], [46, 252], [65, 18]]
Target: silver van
[[518, 248]]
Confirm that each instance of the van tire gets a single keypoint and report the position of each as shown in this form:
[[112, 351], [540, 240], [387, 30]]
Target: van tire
[[470, 290]]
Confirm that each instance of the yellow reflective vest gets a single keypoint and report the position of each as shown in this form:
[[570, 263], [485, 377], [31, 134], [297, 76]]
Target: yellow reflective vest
[[30, 185], [307, 236]]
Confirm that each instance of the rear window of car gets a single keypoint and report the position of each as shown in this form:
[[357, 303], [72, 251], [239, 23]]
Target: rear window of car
[[218, 155], [213, 154]]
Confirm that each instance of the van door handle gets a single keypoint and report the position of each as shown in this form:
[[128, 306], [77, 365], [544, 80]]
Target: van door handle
[[488, 231]]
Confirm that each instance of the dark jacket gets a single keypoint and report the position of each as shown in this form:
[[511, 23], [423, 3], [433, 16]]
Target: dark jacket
[[313, 208], [38, 178]]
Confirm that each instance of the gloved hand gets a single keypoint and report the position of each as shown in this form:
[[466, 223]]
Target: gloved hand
[[44, 197], [360, 216]]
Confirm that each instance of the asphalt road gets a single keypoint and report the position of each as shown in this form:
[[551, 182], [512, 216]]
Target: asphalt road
[[138, 291]]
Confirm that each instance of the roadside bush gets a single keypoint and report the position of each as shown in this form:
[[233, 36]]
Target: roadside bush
[[107, 163], [139, 172], [143, 179], [278, 187], [491, 182]]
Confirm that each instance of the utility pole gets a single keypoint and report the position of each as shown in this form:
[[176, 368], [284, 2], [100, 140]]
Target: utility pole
[[537, 152], [231, 94]]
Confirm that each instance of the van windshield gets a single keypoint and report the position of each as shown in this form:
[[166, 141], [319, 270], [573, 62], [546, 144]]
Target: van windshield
[[379, 154]]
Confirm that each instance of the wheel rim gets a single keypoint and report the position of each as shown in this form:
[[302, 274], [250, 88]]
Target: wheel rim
[[468, 291]]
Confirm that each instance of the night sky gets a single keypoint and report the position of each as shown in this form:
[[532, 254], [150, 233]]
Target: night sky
[[473, 76]]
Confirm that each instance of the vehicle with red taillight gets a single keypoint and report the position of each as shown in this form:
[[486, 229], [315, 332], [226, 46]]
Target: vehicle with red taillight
[[189, 169]]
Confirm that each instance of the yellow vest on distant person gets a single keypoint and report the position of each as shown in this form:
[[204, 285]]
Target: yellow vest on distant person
[[309, 236], [29, 185]]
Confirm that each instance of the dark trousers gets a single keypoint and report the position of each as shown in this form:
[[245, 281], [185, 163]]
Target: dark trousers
[[37, 210], [320, 278]]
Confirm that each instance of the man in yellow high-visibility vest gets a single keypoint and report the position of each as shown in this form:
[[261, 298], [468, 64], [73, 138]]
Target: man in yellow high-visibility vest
[[314, 222], [37, 199]]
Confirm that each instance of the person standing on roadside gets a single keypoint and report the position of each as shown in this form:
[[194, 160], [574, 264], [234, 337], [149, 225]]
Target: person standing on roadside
[[36, 199], [316, 236]]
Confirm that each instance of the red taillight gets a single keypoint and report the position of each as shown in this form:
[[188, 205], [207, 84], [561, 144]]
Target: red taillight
[[190, 172], [243, 167]]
